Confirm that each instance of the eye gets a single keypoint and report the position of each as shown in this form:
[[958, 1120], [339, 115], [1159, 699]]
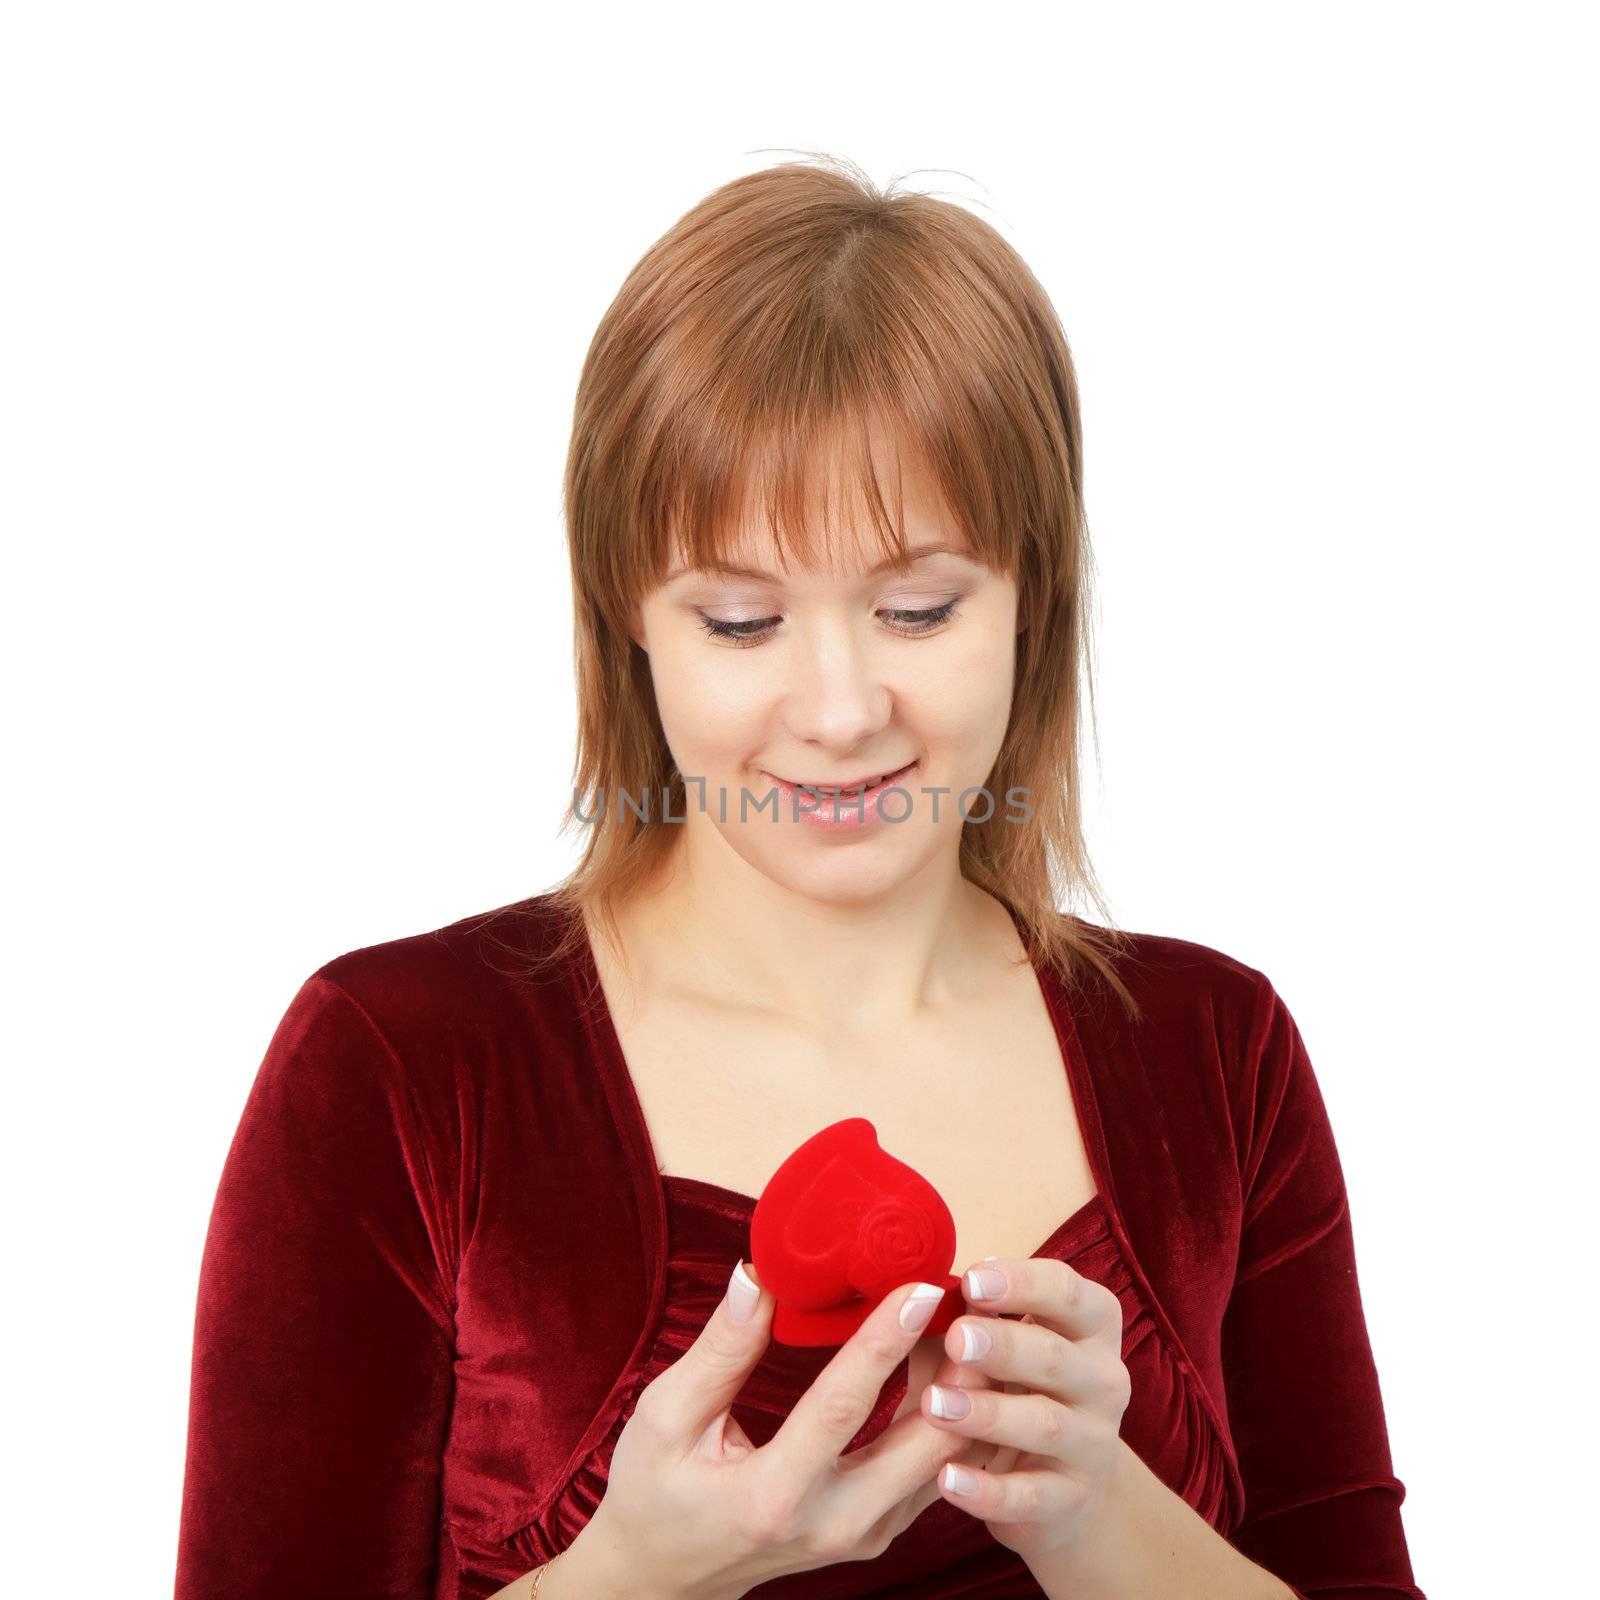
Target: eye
[[924, 621], [753, 631], [743, 634]]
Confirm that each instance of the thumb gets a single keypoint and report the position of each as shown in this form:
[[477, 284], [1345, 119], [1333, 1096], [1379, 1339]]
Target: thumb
[[706, 1379]]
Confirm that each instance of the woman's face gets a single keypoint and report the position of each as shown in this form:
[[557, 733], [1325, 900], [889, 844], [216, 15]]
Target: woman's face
[[829, 677]]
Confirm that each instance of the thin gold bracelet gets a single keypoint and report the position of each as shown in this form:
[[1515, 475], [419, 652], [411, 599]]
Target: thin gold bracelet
[[538, 1577]]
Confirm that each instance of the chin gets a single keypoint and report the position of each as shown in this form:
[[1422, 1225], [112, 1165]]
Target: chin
[[858, 873]]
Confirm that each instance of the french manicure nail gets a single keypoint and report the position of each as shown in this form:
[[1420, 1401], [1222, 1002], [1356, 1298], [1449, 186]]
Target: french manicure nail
[[742, 1294], [985, 1283], [917, 1310]]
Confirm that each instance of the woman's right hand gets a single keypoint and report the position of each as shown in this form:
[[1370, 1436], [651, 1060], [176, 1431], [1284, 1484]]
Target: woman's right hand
[[692, 1503]]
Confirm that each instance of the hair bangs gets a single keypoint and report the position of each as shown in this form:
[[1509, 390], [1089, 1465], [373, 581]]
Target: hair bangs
[[817, 487]]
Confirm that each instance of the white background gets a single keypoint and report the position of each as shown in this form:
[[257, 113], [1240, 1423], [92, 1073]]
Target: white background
[[296, 301]]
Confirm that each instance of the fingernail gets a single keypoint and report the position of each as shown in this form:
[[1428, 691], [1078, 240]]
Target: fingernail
[[958, 1480], [949, 1403], [985, 1283], [742, 1294], [975, 1341], [918, 1307]]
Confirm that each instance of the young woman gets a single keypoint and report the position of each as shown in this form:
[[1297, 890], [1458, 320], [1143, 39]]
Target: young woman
[[478, 1315]]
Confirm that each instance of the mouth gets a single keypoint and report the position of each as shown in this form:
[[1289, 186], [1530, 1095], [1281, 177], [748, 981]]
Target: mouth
[[859, 786]]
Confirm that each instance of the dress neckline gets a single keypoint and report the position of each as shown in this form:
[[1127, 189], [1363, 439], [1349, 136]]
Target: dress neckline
[[703, 1189], [650, 1181]]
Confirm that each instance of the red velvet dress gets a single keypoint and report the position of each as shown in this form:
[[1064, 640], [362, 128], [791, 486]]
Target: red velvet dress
[[442, 1262]]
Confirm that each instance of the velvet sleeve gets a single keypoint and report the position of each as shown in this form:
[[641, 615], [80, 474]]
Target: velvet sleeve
[[1322, 1508], [321, 1375]]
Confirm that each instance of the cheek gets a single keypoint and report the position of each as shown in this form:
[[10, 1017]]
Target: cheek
[[703, 706], [965, 695]]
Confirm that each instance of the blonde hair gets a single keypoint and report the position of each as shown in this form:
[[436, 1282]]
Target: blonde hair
[[746, 359]]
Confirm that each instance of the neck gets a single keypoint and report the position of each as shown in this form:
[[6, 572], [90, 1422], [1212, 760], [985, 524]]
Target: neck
[[718, 927]]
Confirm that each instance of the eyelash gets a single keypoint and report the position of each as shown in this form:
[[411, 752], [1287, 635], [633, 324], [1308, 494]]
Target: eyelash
[[926, 622]]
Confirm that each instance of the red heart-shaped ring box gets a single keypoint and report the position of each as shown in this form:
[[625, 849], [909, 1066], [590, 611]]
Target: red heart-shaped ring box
[[841, 1224]]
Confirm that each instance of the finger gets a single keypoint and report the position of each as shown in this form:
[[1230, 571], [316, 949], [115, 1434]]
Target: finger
[[841, 1397], [1049, 1291], [685, 1398], [904, 1512], [910, 1450], [1083, 1373], [1043, 1496], [1032, 1422], [904, 1504]]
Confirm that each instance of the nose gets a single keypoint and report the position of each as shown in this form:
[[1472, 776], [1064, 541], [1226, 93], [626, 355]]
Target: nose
[[838, 696]]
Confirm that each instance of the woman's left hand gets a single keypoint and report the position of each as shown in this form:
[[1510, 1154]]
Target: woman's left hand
[[1057, 1422]]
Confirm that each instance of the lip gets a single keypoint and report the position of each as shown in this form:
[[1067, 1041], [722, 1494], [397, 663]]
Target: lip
[[854, 783], [839, 816]]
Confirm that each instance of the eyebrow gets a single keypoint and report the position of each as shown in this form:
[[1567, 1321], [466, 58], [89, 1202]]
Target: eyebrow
[[727, 569]]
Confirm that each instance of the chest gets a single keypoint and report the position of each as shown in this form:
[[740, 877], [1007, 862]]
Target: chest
[[980, 1103]]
